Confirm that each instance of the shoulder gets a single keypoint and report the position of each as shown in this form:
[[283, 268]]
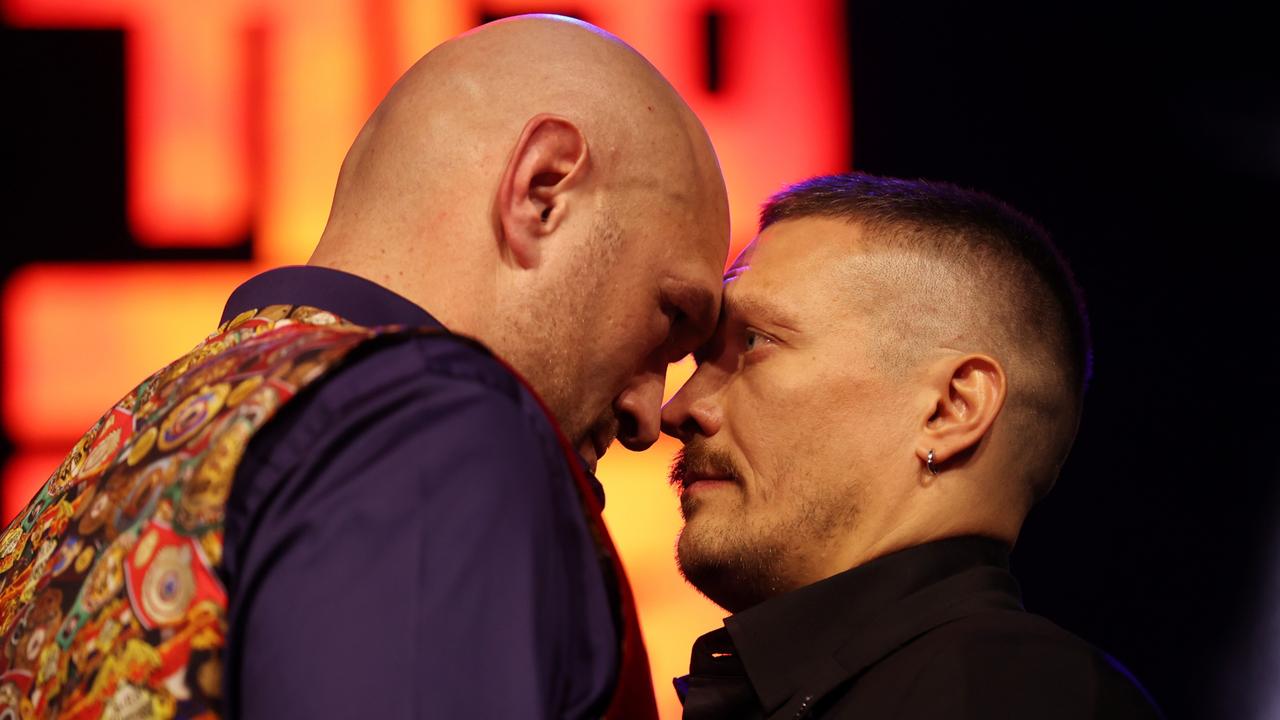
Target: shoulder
[[1023, 664], [448, 372], [430, 436], [440, 399], [406, 363]]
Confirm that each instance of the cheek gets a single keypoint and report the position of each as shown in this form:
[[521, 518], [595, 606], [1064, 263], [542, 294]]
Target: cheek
[[638, 346], [620, 332], [802, 422], [778, 399], [780, 422]]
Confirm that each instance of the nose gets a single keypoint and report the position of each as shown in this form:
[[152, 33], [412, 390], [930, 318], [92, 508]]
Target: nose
[[693, 410], [638, 408]]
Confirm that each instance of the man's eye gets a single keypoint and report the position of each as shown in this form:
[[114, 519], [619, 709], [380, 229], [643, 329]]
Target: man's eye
[[752, 339]]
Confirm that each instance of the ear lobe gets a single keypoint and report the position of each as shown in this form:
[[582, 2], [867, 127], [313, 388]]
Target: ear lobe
[[550, 159], [968, 405]]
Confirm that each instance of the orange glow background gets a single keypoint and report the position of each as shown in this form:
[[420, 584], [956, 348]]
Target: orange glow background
[[238, 115]]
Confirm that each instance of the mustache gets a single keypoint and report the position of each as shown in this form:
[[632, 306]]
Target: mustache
[[699, 459]]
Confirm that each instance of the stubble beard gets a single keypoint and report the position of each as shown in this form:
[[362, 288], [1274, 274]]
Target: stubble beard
[[732, 571], [742, 553], [549, 336]]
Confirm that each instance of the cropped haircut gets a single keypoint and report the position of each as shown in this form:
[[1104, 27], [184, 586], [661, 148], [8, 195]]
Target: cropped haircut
[[1031, 299]]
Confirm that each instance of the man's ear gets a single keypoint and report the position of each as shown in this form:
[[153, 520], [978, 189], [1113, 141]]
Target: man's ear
[[970, 392], [549, 158]]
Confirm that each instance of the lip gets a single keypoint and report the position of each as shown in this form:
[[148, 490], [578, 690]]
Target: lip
[[600, 444], [592, 449], [589, 455]]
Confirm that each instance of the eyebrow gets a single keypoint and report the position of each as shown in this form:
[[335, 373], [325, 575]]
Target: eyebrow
[[755, 307]]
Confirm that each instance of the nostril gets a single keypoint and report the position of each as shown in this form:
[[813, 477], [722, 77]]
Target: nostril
[[628, 426], [673, 423], [689, 428]]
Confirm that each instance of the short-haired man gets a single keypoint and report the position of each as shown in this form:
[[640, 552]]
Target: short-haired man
[[896, 379], [354, 500]]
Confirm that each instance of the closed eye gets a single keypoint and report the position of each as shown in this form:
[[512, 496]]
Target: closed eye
[[701, 354], [679, 334]]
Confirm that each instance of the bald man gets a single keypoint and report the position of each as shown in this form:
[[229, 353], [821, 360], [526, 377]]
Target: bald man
[[368, 493], [897, 377]]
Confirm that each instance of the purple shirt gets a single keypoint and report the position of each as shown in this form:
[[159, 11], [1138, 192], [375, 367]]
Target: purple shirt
[[405, 539]]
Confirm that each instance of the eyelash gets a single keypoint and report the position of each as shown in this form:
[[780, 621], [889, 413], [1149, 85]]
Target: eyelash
[[699, 355], [678, 319], [676, 315], [750, 333]]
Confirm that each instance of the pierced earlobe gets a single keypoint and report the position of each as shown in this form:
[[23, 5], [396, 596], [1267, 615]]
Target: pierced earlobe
[[929, 464]]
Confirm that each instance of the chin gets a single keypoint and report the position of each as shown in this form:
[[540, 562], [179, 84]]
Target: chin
[[735, 578]]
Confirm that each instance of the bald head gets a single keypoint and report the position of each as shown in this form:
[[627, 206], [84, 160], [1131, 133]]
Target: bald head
[[509, 174], [450, 122]]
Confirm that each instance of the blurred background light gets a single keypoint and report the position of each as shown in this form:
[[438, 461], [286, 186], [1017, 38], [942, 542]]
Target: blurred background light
[[237, 116]]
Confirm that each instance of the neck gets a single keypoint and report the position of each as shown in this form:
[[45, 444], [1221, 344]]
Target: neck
[[443, 281], [967, 510]]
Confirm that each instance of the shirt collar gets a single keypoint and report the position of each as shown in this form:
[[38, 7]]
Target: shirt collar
[[780, 640], [348, 296]]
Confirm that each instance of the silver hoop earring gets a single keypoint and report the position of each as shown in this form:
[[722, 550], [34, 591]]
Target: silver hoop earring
[[929, 463]]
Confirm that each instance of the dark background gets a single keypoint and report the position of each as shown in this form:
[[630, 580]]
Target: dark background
[[1147, 139]]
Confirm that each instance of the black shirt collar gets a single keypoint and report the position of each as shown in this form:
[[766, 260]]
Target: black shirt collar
[[348, 296], [857, 616]]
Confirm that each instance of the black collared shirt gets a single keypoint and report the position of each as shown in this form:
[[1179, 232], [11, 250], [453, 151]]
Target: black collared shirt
[[933, 631]]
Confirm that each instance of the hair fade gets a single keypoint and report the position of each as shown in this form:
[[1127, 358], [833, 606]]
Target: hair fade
[[958, 220]]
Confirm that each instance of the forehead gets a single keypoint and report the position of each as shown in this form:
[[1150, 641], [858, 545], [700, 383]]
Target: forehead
[[822, 274], [688, 245], [811, 259]]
